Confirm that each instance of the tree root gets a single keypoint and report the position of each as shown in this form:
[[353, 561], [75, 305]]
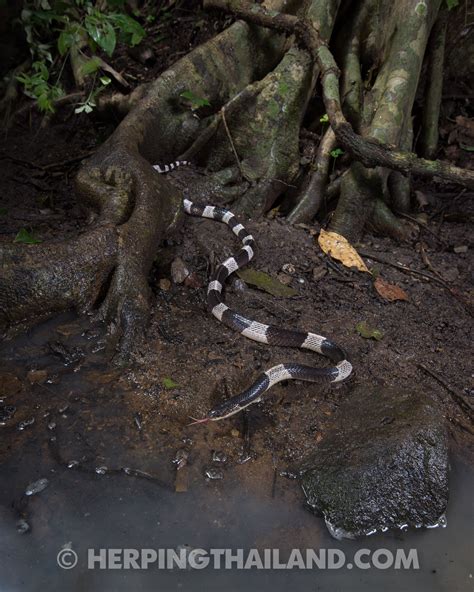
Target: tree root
[[310, 198], [370, 152], [434, 90], [135, 207]]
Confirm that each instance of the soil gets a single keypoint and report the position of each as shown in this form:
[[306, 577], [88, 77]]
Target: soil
[[139, 410]]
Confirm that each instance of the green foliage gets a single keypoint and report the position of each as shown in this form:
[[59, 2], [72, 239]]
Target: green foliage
[[26, 238], [368, 332], [336, 152], [452, 4], [89, 104], [169, 383], [324, 118], [36, 85], [194, 101], [55, 29]]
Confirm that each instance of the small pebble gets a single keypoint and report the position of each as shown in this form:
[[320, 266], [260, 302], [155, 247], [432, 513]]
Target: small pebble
[[164, 284], [36, 487], [101, 470], [288, 268], [26, 423], [22, 526], [284, 278], [239, 285], [180, 458], [179, 271], [218, 456], [213, 474]]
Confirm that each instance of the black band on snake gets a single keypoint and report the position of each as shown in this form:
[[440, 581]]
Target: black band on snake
[[272, 335]]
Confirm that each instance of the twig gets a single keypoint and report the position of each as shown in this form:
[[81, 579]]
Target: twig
[[51, 165], [423, 274], [231, 142], [67, 161], [65, 100], [464, 405], [203, 138], [405, 268], [427, 262], [422, 224]]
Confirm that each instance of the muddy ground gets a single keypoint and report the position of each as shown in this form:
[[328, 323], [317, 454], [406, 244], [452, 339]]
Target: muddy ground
[[59, 373]]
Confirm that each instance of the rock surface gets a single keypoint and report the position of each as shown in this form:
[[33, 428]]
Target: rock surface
[[383, 464]]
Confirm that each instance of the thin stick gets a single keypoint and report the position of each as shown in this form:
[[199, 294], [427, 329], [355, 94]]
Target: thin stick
[[422, 225], [464, 405], [231, 142], [422, 274]]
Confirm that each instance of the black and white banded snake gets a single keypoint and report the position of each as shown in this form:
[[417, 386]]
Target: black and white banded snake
[[269, 334]]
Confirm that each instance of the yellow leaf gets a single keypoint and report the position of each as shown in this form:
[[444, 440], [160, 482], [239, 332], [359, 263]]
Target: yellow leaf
[[338, 247]]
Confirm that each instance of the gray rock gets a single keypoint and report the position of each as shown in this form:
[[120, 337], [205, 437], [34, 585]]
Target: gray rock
[[383, 464], [179, 271]]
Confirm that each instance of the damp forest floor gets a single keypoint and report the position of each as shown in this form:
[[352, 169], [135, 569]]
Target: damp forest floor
[[189, 361], [63, 403], [110, 441]]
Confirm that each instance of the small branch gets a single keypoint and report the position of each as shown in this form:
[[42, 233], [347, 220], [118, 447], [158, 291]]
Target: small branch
[[427, 262], [65, 100], [457, 398], [116, 75], [237, 159], [423, 274], [369, 152], [50, 165], [201, 141]]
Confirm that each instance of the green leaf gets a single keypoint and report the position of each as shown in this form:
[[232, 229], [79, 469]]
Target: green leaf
[[264, 282], [336, 152], [368, 332], [129, 27], [100, 29], [105, 80], [452, 4], [466, 147], [65, 41], [108, 41], [196, 102], [169, 383], [324, 118], [44, 102], [91, 66], [26, 237]]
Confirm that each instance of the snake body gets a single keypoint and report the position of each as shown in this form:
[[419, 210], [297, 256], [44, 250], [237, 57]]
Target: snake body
[[269, 334]]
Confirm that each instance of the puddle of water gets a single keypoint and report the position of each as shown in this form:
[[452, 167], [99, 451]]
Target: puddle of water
[[89, 510]]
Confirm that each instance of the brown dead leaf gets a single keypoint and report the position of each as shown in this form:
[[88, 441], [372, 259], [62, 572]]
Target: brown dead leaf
[[338, 247], [37, 376], [390, 292]]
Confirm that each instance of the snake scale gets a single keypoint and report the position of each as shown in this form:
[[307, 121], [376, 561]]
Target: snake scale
[[269, 334]]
